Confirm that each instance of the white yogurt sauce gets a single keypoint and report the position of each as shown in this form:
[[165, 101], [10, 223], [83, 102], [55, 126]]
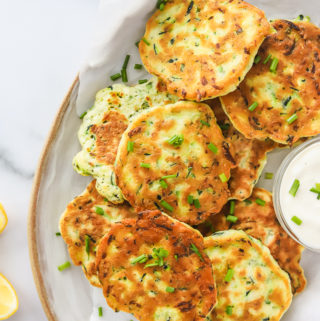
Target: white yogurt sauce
[[306, 168]]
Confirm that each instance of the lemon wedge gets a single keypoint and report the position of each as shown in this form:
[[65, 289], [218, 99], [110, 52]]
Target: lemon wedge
[[8, 299], [3, 219]]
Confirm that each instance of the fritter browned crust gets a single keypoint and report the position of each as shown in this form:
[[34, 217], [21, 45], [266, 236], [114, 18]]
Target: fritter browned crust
[[250, 155], [261, 223], [250, 284], [155, 268], [195, 169], [292, 90], [83, 224], [202, 49]]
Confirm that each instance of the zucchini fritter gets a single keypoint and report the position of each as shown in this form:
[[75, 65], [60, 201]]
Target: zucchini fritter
[[202, 49], [175, 157], [83, 224], [280, 96], [250, 284], [261, 222], [155, 268], [103, 126]]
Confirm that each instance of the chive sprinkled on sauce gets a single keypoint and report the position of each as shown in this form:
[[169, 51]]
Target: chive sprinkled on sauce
[[223, 177], [145, 165], [145, 41], [140, 259], [100, 312], [115, 76], [196, 251], [203, 122], [99, 210], [229, 310], [232, 207], [292, 118], [64, 266], [126, 61], [274, 65], [58, 234], [130, 146], [267, 59], [316, 190], [213, 148], [137, 66], [229, 275], [166, 205], [142, 81], [257, 59], [176, 140], [82, 115], [170, 289], [124, 76], [294, 188], [163, 184], [296, 220], [268, 175], [260, 202], [232, 218], [253, 106]]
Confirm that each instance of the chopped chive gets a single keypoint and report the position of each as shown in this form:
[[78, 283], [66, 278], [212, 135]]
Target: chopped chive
[[145, 165], [125, 63], [176, 140], [87, 244], [203, 122], [257, 59], [169, 176], [100, 311], [294, 188], [253, 106], [232, 207], [229, 310], [292, 118], [124, 75], [170, 289], [274, 65], [229, 275], [115, 76], [318, 197], [260, 202], [83, 114], [314, 190], [196, 203], [161, 7], [163, 184], [190, 199], [318, 187], [166, 205], [145, 41], [223, 177], [195, 250], [140, 259], [130, 146], [58, 234], [99, 210], [232, 218], [137, 66], [296, 220], [213, 148], [267, 59], [64, 266], [142, 81], [268, 175], [176, 257], [137, 43]]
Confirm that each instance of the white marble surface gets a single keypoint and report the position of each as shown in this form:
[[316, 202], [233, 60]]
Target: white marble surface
[[43, 43]]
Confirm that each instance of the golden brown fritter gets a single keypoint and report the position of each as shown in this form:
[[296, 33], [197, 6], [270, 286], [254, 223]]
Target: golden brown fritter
[[83, 224], [179, 162], [155, 268], [282, 89], [251, 286], [202, 49], [261, 223]]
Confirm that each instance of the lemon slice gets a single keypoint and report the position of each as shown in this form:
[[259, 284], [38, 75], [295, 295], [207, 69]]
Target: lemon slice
[[3, 219], [8, 299]]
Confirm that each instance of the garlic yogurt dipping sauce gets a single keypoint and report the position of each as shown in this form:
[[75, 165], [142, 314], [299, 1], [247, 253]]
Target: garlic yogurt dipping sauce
[[298, 208]]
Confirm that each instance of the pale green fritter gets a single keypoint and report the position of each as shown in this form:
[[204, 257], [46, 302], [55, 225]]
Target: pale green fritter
[[100, 133], [251, 286]]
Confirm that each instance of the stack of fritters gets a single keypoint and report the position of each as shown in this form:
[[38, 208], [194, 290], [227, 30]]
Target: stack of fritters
[[166, 165]]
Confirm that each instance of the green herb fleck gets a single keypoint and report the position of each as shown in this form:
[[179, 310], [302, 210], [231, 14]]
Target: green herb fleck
[[100, 311], [292, 118], [203, 122], [176, 140], [82, 115], [268, 175], [170, 289], [260, 202], [213, 148], [140, 259], [229, 275], [232, 207], [196, 251], [137, 66], [115, 76], [163, 184], [142, 81], [253, 106], [223, 177], [130, 146], [166, 205], [99, 210], [145, 165], [267, 59], [294, 188], [232, 218], [64, 266], [296, 220]]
